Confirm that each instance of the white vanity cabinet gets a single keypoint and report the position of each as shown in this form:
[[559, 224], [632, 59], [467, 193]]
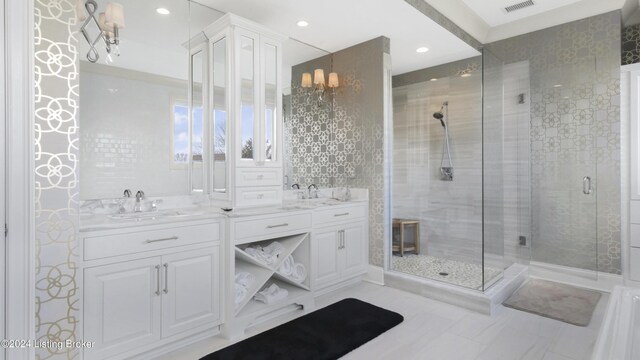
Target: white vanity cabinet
[[290, 230], [142, 299], [339, 244], [243, 119]]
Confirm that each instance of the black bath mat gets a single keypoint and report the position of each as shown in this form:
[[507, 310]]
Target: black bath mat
[[325, 334]]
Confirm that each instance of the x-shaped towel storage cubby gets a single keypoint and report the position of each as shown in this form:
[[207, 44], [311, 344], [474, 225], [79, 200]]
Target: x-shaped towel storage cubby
[[297, 246]]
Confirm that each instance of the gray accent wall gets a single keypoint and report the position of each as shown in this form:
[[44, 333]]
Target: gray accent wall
[[340, 142], [574, 72]]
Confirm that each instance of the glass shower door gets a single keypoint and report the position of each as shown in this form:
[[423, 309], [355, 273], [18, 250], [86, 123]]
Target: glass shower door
[[563, 166]]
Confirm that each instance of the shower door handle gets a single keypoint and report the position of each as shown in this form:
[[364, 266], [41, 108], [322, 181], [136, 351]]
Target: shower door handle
[[586, 185]]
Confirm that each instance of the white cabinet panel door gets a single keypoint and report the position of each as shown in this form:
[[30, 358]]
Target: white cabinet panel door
[[325, 262], [190, 290], [355, 249], [121, 307]]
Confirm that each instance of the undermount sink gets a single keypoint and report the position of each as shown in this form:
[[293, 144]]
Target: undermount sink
[[150, 215]]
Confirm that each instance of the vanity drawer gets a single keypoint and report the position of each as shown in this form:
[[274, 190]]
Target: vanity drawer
[[256, 196], [258, 177], [341, 214], [99, 247], [266, 228]]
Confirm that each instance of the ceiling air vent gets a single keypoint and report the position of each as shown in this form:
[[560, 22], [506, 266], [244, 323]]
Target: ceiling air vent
[[519, 6]]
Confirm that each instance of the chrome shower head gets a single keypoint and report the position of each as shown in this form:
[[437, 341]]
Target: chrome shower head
[[439, 116]]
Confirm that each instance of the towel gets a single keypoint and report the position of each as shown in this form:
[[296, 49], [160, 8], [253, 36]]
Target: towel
[[244, 279], [286, 268], [271, 294], [268, 254], [299, 273]]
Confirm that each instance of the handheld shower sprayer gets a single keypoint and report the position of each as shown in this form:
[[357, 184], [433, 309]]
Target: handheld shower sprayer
[[446, 172]]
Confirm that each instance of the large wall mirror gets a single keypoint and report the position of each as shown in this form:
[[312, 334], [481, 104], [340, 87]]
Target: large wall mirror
[[142, 122]]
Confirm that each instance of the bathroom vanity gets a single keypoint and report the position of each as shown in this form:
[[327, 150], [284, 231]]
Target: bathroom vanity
[[156, 283]]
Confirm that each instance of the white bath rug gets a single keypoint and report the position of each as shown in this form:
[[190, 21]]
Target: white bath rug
[[566, 303]]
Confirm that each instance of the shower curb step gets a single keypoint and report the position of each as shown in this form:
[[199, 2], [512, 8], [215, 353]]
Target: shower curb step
[[488, 302]]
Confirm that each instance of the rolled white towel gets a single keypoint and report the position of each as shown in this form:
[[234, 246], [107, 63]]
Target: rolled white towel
[[287, 266], [274, 249], [271, 294], [245, 279], [299, 273]]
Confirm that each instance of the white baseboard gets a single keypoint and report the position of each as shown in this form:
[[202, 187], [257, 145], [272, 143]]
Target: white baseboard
[[573, 276], [375, 275]]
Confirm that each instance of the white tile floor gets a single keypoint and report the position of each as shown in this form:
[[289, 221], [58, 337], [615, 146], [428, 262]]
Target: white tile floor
[[434, 330]]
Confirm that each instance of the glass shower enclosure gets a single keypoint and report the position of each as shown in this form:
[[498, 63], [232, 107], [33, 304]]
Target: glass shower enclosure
[[449, 179]]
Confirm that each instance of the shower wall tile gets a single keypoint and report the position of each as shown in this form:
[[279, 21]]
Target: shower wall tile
[[450, 212], [340, 143], [575, 131]]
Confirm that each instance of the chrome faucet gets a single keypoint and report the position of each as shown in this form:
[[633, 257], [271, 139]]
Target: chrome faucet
[[295, 186], [139, 197], [127, 193], [313, 194]]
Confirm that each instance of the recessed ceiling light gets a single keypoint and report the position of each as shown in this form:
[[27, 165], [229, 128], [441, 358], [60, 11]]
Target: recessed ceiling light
[[422, 50], [163, 11], [557, 85], [466, 75], [302, 23], [434, 79]]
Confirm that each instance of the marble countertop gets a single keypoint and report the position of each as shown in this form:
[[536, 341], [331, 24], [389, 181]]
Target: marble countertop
[[91, 221]]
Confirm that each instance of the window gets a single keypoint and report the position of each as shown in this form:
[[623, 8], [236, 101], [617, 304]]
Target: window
[[181, 134]]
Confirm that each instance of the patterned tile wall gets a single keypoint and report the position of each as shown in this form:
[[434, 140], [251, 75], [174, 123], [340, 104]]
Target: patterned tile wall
[[631, 45], [575, 132], [342, 144], [56, 184]]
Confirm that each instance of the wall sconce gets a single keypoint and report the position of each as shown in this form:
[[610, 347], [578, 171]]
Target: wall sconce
[[319, 86], [109, 22]]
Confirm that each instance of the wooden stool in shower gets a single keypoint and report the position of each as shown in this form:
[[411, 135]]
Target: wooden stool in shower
[[398, 228]]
